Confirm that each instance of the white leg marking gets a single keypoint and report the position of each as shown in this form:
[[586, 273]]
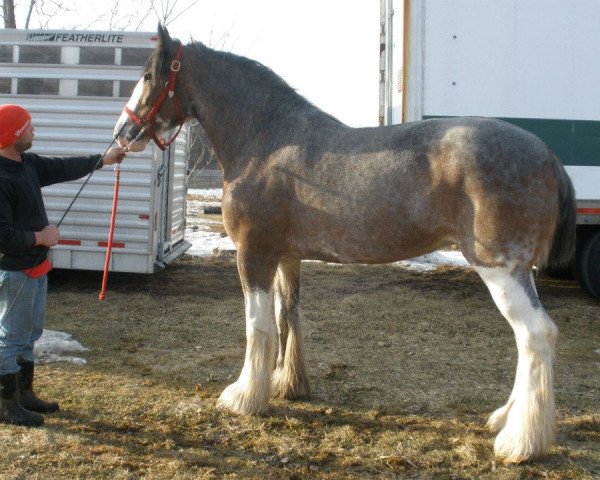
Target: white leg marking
[[250, 393], [526, 424], [259, 311]]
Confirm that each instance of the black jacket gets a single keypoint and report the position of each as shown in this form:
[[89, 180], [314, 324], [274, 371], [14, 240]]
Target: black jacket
[[22, 209]]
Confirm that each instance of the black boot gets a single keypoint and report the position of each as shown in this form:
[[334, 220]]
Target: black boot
[[10, 409], [28, 398]]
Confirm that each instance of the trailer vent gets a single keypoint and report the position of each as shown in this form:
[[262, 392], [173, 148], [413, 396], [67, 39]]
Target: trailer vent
[[95, 88], [38, 86], [49, 55], [135, 56], [96, 56], [5, 84], [6, 54]]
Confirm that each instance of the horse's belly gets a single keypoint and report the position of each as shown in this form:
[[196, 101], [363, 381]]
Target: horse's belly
[[378, 244]]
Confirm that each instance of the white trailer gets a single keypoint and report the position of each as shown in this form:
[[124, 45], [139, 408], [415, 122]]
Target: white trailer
[[533, 63], [75, 84]]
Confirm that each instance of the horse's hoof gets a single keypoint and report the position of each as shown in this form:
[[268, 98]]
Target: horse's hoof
[[290, 393], [238, 400], [289, 388], [511, 451], [513, 445]]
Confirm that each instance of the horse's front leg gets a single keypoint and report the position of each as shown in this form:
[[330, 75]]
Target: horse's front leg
[[290, 379], [251, 392]]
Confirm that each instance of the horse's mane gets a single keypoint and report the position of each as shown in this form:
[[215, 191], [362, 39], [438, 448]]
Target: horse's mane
[[261, 74]]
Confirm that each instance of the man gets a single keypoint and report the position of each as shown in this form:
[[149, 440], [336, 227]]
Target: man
[[25, 238]]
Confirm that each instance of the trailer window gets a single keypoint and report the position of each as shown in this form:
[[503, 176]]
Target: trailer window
[[126, 88], [96, 56], [5, 85], [37, 86], [135, 56], [6, 54], [39, 54], [95, 88]]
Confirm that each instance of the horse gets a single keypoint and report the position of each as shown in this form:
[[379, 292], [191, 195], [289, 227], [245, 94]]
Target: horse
[[299, 184]]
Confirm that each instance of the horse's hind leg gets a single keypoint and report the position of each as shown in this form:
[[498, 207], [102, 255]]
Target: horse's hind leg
[[251, 392], [289, 380], [526, 424]]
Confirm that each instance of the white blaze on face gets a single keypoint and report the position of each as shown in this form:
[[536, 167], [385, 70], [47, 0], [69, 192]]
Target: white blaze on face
[[133, 102]]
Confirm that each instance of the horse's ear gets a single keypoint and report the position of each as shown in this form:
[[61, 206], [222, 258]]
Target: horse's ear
[[163, 35]]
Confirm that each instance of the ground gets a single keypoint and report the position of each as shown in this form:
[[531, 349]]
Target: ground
[[405, 368]]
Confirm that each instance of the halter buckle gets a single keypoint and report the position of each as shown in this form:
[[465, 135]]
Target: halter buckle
[[175, 65]]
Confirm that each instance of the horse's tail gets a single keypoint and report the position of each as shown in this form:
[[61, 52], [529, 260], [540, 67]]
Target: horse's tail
[[562, 252]]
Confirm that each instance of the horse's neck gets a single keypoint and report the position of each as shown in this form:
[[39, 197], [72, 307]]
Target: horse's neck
[[243, 113]]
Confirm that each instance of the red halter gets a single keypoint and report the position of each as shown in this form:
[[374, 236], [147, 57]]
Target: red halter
[[169, 89]]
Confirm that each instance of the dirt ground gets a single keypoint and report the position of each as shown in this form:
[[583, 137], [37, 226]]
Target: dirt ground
[[405, 367]]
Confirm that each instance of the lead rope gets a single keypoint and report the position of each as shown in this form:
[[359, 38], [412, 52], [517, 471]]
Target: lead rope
[[113, 217], [111, 232]]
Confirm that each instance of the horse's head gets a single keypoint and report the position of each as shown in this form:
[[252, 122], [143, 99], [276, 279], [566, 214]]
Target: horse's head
[[153, 108]]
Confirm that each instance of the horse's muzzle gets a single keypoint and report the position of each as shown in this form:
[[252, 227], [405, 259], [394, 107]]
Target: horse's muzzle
[[136, 146], [127, 134]]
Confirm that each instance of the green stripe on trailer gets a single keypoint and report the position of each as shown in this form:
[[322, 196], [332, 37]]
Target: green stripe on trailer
[[576, 142]]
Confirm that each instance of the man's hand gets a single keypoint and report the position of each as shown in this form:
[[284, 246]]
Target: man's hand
[[48, 236], [114, 155]]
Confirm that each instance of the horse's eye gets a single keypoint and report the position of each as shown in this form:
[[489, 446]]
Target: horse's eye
[[148, 76]]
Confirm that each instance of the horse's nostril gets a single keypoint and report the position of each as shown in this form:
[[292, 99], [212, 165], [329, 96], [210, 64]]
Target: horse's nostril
[[131, 133]]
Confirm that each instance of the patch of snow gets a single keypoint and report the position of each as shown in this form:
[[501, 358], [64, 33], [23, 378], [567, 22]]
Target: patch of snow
[[52, 345], [206, 192], [430, 261], [204, 243], [198, 230]]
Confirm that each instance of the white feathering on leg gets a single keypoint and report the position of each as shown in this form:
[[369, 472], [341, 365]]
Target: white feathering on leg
[[250, 393], [526, 424]]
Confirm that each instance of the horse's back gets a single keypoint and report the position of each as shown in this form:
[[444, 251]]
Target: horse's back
[[477, 143]]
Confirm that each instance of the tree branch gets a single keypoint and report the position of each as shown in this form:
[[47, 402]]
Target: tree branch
[[9, 14], [31, 5]]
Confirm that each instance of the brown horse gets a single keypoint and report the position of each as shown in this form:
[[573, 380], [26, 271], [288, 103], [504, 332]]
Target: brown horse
[[299, 184]]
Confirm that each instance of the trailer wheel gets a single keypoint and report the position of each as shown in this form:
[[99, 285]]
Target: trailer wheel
[[589, 265]]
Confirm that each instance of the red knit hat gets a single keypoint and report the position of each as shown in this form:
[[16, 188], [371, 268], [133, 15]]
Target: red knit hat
[[13, 122]]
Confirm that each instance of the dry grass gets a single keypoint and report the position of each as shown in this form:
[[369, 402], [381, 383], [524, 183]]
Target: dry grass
[[403, 393]]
